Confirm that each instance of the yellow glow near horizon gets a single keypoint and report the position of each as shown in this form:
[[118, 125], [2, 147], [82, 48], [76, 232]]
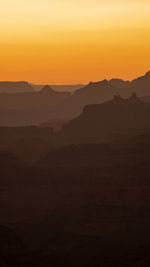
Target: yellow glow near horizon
[[73, 41]]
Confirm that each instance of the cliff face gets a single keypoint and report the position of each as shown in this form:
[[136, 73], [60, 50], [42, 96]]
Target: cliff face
[[98, 121], [99, 92]]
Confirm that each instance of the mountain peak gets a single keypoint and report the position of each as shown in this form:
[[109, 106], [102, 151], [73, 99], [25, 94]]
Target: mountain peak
[[46, 90], [103, 82], [147, 75], [119, 83], [134, 99]]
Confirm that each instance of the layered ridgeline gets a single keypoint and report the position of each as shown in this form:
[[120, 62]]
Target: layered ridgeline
[[107, 121], [140, 85], [102, 91], [29, 107], [15, 87], [49, 107], [99, 92], [64, 87], [119, 120], [45, 98]]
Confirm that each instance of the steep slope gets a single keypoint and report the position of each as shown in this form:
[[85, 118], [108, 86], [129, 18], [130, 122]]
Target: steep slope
[[93, 93], [47, 104], [99, 92], [99, 122], [142, 85]]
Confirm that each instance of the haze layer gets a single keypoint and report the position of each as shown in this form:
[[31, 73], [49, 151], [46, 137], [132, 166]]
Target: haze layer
[[72, 41]]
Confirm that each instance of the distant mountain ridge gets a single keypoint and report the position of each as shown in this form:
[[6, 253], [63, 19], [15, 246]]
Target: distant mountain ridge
[[141, 85], [119, 83], [59, 88], [37, 107], [29, 108], [45, 98], [99, 92], [15, 87], [98, 122]]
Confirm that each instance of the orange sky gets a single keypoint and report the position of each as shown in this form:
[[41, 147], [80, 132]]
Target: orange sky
[[73, 41]]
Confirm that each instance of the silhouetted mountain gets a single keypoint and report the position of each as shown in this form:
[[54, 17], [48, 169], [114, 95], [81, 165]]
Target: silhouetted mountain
[[48, 104], [67, 87], [141, 85], [47, 90], [29, 108], [81, 205], [93, 93], [15, 87], [99, 122], [84, 205], [99, 92], [45, 98], [119, 83]]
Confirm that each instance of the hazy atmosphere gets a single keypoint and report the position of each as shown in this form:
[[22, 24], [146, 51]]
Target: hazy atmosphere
[[72, 41], [74, 133]]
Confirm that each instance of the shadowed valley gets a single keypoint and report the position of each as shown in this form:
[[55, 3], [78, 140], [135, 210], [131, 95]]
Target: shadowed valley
[[78, 193]]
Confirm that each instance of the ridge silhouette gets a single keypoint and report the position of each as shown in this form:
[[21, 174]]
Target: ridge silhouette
[[99, 122], [65, 87], [81, 196], [15, 87], [47, 90], [47, 105], [98, 92]]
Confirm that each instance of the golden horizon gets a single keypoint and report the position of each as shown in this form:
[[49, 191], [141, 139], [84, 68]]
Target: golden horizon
[[69, 42]]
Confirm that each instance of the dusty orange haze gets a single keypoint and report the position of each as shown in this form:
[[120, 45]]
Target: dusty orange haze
[[73, 41]]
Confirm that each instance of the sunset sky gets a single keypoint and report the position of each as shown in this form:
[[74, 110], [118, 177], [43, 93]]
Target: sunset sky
[[73, 41]]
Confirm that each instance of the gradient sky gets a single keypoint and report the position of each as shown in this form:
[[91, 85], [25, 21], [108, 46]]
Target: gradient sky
[[73, 41]]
